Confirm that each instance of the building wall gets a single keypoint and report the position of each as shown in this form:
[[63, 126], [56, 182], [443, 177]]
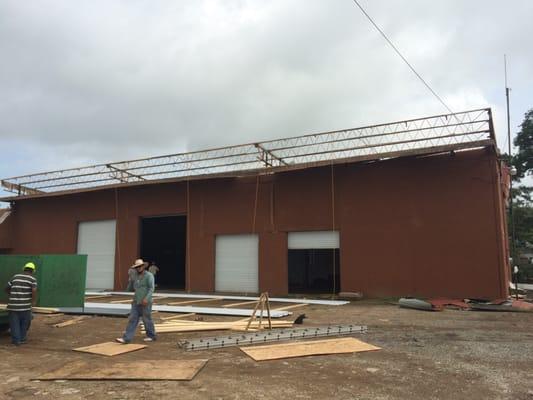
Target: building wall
[[427, 226], [6, 228]]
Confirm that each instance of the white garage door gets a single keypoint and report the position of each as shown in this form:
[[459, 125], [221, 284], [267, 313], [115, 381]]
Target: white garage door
[[236, 263], [314, 240], [97, 240]]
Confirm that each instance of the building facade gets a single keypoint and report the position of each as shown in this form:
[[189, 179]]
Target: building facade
[[426, 224]]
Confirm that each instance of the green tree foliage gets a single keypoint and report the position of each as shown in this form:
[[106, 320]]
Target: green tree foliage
[[523, 225], [523, 195], [523, 160]]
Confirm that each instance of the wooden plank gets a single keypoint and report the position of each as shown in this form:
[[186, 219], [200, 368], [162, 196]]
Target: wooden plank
[[121, 301], [192, 328], [301, 349], [38, 310], [240, 304], [178, 316], [174, 370], [290, 307], [72, 321], [110, 348], [235, 323], [213, 326], [96, 297], [160, 298], [45, 310], [178, 303]]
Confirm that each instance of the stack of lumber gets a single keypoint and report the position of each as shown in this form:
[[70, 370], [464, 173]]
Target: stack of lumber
[[193, 326]]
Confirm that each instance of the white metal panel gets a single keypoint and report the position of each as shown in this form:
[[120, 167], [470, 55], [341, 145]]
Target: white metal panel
[[217, 296], [314, 240], [97, 240], [236, 263], [239, 312]]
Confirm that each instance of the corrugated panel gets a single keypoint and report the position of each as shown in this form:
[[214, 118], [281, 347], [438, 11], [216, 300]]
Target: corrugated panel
[[96, 239], [237, 263], [314, 240]]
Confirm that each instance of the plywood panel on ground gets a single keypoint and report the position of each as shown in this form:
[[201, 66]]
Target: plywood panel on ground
[[311, 348], [110, 348], [175, 370]]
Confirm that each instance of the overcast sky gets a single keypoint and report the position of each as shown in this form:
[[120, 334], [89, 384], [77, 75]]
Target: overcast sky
[[83, 82]]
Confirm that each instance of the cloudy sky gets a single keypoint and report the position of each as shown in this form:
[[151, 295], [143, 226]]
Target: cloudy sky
[[83, 82]]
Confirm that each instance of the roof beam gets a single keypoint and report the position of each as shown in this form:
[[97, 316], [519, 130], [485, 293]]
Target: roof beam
[[123, 172], [265, 153], [20, 189]]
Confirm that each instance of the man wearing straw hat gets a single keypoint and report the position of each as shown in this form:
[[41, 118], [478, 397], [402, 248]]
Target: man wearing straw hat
[[141, 307]]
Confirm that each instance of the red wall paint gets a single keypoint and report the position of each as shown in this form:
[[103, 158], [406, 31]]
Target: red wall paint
[[6, 235], [427, 226]]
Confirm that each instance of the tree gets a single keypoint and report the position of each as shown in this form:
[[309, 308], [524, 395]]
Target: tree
[[522, 195], [523, 160], [523, 220]]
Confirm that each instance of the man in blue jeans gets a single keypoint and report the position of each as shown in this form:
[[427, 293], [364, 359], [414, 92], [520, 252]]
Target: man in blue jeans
[[22, 289], [141, 307]]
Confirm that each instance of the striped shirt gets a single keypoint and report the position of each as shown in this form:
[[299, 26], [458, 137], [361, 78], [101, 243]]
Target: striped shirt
[[20, 292]]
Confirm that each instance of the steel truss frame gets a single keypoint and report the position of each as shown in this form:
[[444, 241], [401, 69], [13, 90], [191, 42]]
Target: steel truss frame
[[462, 130], [276, 335]]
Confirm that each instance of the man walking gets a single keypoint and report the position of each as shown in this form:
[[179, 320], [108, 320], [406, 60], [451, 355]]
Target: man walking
[[22, 289], [141, 306]]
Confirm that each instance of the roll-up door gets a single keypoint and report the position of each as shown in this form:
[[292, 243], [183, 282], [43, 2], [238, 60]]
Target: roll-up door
[[313, 262], [97, 240], [314, 240], [236, 263]]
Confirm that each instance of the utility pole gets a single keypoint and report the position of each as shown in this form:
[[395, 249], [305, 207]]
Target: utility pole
[[511, 214]]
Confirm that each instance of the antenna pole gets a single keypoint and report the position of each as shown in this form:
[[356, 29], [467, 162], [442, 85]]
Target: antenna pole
[[511, 214]]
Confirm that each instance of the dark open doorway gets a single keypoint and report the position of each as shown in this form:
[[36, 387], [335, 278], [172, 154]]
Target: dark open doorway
[[314, 271], [163, 241]]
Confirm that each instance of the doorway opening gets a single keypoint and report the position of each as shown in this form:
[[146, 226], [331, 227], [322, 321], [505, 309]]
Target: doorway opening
[[314, 271], [163, 241]]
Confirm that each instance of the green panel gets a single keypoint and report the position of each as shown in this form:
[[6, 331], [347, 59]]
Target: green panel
[[11, 265], [62, 281], [60, 278], [4, 320]]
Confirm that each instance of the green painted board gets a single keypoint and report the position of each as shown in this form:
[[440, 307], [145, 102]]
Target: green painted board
[[11, 265], [62, 280], [4, 320], [60, 277]]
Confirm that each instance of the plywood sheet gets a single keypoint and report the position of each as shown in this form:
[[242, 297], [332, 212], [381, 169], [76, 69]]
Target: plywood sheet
[[175, 370], [110, 348], [311, 348]]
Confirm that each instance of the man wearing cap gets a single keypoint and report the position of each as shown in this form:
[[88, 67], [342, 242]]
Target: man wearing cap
[[22, 289], [141, 307]]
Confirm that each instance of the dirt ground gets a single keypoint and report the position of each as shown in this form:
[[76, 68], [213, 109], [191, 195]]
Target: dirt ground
[[425, 355]]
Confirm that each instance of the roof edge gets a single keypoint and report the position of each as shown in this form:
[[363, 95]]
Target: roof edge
[[278, 169]]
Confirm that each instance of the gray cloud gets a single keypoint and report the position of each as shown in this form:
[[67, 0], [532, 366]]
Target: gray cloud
[[87, 82]]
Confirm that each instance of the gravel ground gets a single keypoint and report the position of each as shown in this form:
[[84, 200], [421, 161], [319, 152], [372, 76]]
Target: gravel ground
[[425, 355]]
